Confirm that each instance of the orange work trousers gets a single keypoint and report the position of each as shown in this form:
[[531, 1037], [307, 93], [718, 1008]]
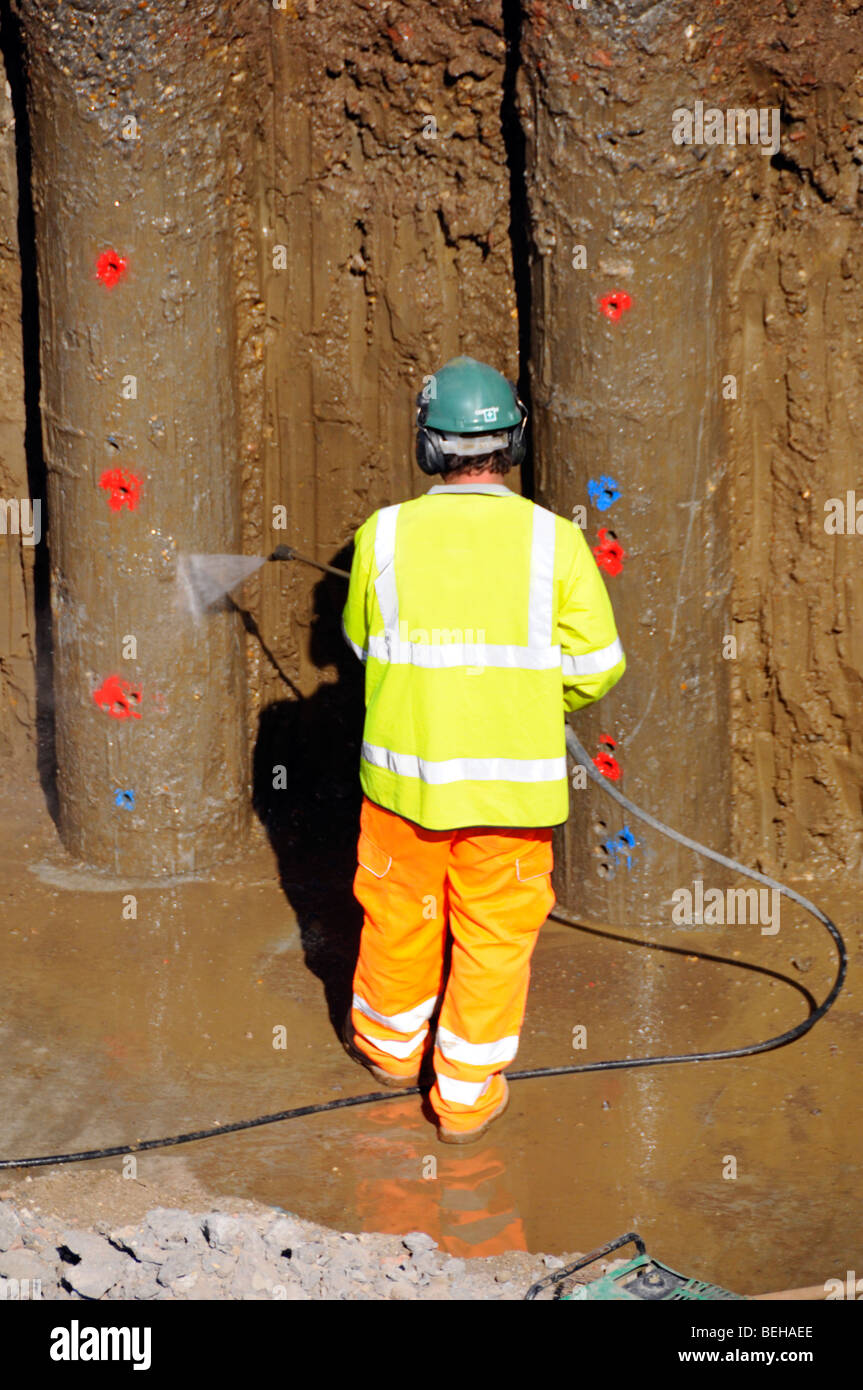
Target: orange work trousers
[[493, 888]]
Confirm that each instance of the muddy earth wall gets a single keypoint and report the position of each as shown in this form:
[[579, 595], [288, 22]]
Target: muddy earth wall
[[382, 212], [366, 237], [795, 305]]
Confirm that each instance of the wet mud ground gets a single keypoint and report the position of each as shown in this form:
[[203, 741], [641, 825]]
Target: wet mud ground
[[114, 1030]]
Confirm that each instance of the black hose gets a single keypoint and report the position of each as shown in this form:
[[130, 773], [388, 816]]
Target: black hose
[[579, 754]]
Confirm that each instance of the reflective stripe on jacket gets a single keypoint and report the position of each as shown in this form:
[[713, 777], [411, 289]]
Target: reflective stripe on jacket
[[480, 617]]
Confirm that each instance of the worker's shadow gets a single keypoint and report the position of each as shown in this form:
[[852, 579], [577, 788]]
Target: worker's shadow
[[307, 796]]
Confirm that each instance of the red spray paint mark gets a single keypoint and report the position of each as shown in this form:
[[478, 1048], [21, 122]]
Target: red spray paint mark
[[110, 268], [115, 696], [609, 554], [124, 489], [615, 304], [608, 766], [605, 761]]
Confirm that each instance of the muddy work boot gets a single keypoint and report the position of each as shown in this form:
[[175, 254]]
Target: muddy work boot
[[469, 1136], [386, 1078]]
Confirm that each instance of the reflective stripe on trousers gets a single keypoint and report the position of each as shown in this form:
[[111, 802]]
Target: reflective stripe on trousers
[[494, 889]]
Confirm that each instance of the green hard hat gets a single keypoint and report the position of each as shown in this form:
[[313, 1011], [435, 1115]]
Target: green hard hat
[[469, 397]]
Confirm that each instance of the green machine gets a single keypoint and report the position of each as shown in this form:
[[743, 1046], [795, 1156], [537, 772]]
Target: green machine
[[642, 1279]]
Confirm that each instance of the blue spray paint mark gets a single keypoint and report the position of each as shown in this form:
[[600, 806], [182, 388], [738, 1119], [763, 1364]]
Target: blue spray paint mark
[[603, 493], [620, 848], [124, 799]]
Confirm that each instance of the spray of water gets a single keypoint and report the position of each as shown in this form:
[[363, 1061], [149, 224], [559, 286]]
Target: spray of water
[[204, 580]]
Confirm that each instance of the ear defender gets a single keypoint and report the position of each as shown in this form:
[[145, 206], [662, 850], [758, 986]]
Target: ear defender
[[517, 440], [429, 453]]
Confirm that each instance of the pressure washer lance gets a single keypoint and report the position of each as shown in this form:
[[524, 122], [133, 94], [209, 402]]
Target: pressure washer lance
[[613, 1064], [206, 580], [287, 552]]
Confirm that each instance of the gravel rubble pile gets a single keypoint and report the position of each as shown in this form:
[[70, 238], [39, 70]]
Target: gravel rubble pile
[[174, 1254]]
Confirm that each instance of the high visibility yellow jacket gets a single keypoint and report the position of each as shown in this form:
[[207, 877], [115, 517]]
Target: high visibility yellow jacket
[[481, 617]]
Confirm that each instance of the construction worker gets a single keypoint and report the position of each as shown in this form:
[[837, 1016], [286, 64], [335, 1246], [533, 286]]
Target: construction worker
[[481, 618]]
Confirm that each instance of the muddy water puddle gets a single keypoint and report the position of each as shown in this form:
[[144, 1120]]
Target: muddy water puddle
[[219, 1001]]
